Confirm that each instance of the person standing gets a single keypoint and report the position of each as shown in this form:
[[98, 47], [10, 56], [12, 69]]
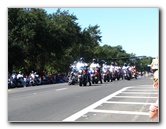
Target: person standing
[[154, 64], [153, 109]]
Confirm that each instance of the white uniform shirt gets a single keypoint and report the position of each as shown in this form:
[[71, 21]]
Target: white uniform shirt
[[19, 76], [93, 66], [105, 68], [32, 75], [80, 64], [112, 68]]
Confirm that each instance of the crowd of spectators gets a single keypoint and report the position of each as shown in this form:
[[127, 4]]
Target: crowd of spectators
[[44, 78]]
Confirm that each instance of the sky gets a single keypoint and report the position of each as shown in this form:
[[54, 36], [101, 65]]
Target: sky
[[135, 29]]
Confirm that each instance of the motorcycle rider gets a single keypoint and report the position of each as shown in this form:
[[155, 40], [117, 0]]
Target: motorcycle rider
[[73, 74], [14, 75], [105, 67], [37, 79], [20, 78], [94, 65], [13, 79], [126, 68], [112, 67], [32, 74], [73, 66], [105, 71], [82, 65]]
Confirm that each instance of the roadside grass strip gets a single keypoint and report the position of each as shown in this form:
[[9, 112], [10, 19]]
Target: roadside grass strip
[[92, 107]]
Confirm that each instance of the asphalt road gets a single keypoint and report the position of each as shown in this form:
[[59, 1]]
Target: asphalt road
[[118, 101]]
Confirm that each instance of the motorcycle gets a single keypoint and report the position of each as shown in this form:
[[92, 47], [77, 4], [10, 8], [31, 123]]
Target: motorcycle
[[127, 75], [84, 76], [113, 76], [11, 83], [119, 75], [73, 78], [20, 82], [35, 80], [106, 75], [96, 76]]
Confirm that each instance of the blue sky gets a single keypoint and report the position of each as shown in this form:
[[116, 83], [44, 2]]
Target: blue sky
[[135, 29]]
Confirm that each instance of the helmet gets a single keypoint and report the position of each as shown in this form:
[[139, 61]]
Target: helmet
[[94, 59], [125, 64], [75, 62], [13, 71], [81, 58], [112, 63], [105, 63], [20, 72]]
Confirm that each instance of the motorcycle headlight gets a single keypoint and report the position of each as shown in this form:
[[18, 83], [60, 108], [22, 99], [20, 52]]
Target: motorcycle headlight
[[80, 71]]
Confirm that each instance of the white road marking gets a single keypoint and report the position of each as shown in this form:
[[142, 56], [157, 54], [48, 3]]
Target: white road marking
[[133, 97], [121, 112], [117, 102], [137, 93], [142, 90], [61, 89], [92, 107]]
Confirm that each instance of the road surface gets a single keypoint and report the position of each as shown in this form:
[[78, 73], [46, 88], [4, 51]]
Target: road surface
[[117, 101]]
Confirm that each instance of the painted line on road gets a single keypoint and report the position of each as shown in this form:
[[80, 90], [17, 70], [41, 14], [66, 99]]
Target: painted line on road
[[61, 89], [137, 93], [133, 97], [128, 102], [91, 107], [121, 112], [141, 90]]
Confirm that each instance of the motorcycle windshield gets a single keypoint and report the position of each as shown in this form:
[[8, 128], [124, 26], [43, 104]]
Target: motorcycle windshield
[[82, 68]]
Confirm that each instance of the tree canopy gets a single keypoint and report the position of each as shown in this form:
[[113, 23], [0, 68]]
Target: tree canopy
[[40, 41]]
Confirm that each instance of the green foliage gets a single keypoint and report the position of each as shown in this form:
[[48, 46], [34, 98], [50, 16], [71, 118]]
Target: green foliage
[[39, 41]]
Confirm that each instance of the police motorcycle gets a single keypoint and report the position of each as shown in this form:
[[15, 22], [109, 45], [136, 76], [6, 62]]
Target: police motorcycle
[[20, 80], [127, 74], [118, 73], [73, 74], [112, 72], [106, 73], [95, 75], [37, 79], [12, 80], [95, 72], [34, 79], [84, 76], [73, 77]]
